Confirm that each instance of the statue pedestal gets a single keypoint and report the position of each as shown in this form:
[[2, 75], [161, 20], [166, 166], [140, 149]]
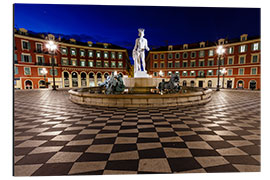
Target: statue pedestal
[[141, 82], [141, 74]]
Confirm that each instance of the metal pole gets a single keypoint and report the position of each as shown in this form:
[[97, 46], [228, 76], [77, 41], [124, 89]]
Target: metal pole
[[218, 72], [54, 88], [223, 81]]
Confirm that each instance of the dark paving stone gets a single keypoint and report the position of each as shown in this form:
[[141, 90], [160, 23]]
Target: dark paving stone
[[192, 138], [219, 144], [203, 152], [174, 144], [223, 168], [86, 157], [40, 158], [23, 151], [55, 169], [242, 160], [104, 141], [124, 147], [131, 165], [74, 148], [183, 164], [251, 150], [152, 153]]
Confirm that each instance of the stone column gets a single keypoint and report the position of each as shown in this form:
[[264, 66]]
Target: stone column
[[70, 79], [87, 80], [79, 80], [95, 77]]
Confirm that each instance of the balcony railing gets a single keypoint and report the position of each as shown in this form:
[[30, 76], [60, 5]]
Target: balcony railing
[[201, 76], [45, 64]]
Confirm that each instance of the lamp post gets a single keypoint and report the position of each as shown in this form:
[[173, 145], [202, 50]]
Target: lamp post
[[52, 47], [44, 72], [223, 71], [220, 51]]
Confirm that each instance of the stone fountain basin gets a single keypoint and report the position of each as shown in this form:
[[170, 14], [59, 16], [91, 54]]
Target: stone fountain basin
[[140, 100]]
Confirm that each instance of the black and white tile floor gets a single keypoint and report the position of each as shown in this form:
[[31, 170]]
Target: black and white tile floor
[[53, 136]]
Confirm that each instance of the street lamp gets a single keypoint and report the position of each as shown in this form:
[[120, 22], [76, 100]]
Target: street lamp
[[223, 71], [220, 51], [44, 72], [51, 46], [160, 73]]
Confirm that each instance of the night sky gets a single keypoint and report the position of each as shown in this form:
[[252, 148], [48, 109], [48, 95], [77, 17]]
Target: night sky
[[119, 24]]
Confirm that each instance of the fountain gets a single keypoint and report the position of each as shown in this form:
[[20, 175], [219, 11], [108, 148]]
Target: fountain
[[142, 90]]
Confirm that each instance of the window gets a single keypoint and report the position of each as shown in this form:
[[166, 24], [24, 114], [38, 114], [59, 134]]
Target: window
[[185, 55], [26, 58], [192, 73], [155, 56], [120, 64], [170, 64], [113, 55], [241, 60], [221, 61], [184, 73], [255, 58], [211, 53], [15, 57], [170, 56], [40, 60], [98, 64], [113, 64], [177, 55], [241, 71], [106, 64], [64, 50], [230, 50], [55, 72], [210, 73], [169, 73], [185, 64], [39, 47], [155, 73], [90, 54], [16, 71], [201, 73], [192, 64], [162, 56], [25, 45], [210, 62], [253, 71], [91, 64], [193, 54], [242, 48], [98, 54], [219, 72], [201, 63], [82, 52], [27, 71], [230, 72], [201, 53], [64, 62], [106, 55], [162, 64], [155, 65], [230, 60], [255, 46], [82, 63], [177, 64], [177, 73], [40, 71], [74, 62], [120, 56], [73, 52]]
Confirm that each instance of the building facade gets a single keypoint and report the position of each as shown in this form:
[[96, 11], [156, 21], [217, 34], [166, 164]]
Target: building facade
[[197, 64], [76, 64]]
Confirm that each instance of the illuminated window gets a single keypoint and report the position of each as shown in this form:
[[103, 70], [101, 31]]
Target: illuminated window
[[91, 64], [82, 63], [255, 47], [230, 50], [82, 52], [98, 54], [113, 64], [243, 48], [106, 55], [211, 52], [120, 56], [73, 52], [90, 53], [120, 64], [184, 73], [113, 55], [106, 64]]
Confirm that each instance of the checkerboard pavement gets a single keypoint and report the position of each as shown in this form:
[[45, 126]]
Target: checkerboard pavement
[[53, 136]]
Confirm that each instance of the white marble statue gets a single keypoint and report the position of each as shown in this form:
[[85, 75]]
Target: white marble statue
[[138, 55]]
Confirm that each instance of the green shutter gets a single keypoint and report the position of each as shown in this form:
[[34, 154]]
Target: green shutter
[[252, 47], [22, 59], [246, 47], [239, 49], [30, 58], [15, 57], [28, 44]]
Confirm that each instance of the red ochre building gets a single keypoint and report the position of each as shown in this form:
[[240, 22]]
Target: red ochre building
[[197, 64], [77, 64]]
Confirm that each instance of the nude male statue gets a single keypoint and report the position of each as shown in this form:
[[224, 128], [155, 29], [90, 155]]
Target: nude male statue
[[138, 52]]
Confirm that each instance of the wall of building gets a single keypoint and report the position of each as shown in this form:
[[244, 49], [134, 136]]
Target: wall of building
[[40, 58], [240, 60]]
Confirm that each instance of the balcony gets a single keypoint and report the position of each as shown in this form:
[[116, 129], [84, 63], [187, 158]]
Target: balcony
[[201, 76]]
